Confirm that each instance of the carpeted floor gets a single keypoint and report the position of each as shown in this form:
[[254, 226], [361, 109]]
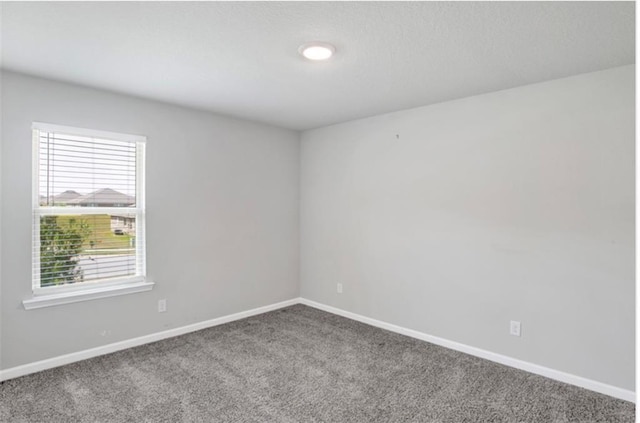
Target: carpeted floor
[[297, 364]]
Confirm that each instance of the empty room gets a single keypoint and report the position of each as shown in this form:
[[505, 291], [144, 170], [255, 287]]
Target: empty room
[[317, 212]]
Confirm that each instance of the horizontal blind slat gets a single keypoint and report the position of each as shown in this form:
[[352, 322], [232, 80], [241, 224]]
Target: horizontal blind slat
[[84, 151], [83, 146], [111, 161], [83, 140]]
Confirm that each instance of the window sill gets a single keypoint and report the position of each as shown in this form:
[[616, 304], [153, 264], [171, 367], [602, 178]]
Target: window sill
[[51, 300]]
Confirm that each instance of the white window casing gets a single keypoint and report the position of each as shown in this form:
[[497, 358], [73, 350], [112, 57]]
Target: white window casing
[[89, 191]]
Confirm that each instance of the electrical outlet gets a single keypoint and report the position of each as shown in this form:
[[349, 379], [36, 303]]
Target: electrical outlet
[[514, 328], [162, 306], [339, 288]]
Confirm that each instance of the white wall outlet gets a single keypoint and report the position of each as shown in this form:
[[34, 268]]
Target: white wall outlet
[[339, 288], [162, 306], [514, 328]]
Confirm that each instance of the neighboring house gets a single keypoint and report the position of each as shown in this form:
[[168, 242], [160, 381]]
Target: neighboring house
[[63, 198], [127, 224], [105, 197]]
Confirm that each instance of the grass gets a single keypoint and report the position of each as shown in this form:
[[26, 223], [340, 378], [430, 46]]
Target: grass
[[101, 238]]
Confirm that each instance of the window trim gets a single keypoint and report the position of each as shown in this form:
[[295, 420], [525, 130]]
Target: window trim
[[54, 295], [89, 293]]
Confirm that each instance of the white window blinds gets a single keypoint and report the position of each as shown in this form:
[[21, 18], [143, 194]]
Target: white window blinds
[[88, 214]]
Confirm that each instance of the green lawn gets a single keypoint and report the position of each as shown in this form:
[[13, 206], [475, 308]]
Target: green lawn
[[101, 239]]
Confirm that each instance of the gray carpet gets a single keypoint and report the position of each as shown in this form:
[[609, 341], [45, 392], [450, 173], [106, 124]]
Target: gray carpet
[[297, 364]]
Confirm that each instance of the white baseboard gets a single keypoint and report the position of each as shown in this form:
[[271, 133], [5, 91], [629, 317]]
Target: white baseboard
[[582, 382], [50, 363], [130, 343]]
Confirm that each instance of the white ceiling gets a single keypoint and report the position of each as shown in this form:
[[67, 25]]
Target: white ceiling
[[241, 59]]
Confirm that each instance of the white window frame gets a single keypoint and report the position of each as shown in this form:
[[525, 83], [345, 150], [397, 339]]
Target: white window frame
[[63, 294]]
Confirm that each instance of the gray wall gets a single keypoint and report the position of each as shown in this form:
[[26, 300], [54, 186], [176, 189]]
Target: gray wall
[[449, 219], [454, 219], [222, 222]]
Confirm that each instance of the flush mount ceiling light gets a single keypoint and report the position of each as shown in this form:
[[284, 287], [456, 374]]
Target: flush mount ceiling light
[[317, 51]]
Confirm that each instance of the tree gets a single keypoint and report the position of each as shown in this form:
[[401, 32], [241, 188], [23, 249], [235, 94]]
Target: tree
[[60, 247]]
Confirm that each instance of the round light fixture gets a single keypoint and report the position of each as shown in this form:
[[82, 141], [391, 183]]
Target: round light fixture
[[317, 50]]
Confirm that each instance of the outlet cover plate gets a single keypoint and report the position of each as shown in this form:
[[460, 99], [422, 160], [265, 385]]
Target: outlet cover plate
[[514, 328]]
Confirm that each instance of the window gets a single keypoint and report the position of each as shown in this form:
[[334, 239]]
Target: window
[[88, 214]]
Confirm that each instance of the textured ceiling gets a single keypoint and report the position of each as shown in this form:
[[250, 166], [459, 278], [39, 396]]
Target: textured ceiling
[[241, 59]]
